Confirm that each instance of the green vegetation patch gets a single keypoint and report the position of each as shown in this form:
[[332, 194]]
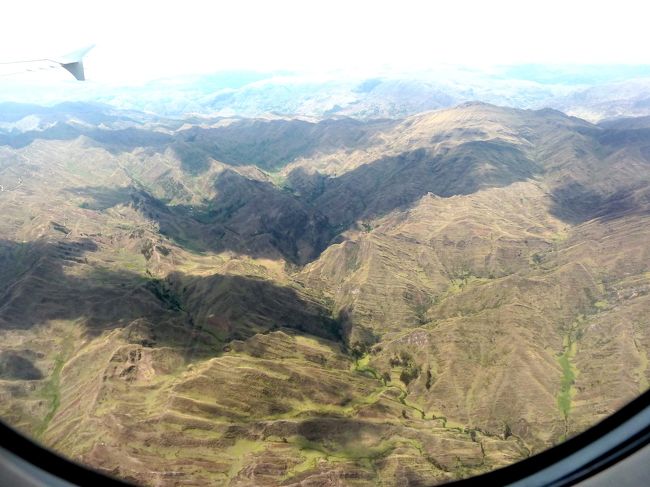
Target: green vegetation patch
[[410, 370], [567, 381], [51, 388]]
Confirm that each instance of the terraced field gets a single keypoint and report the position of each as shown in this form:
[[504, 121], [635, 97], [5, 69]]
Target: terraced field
[[347, 303]]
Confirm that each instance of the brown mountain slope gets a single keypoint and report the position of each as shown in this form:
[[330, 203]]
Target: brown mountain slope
[[501, 295], [436, 299]]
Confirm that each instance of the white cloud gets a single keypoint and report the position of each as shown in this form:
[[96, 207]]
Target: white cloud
[[138, 39]]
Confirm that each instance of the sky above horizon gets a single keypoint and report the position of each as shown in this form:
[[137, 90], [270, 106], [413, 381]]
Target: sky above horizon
[[143, 40]]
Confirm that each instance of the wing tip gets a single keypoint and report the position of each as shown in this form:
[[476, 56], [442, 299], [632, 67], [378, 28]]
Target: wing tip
[[76, 69]]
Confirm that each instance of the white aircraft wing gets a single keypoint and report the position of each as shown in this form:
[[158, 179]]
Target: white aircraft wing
[[72, 62]]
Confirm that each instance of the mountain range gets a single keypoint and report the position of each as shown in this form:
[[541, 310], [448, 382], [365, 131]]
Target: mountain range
[[402, 297], [592, 92]]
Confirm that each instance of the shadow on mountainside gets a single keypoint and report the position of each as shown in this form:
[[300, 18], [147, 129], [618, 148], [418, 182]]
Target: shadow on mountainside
[[44, 280], [19, 365], [247, 216], [375, 189], [268, 144], [614, 186], [259, 219], [575, 203], [115, 141]]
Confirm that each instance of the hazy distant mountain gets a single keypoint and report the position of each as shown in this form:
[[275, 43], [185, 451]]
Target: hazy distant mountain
[[608, 101], [592, 92], [361, 300]]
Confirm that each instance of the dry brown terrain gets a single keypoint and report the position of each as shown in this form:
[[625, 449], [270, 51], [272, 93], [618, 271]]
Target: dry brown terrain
[[333, 303]]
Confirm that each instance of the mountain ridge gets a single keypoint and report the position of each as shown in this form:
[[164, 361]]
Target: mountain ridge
[[388, 302]]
